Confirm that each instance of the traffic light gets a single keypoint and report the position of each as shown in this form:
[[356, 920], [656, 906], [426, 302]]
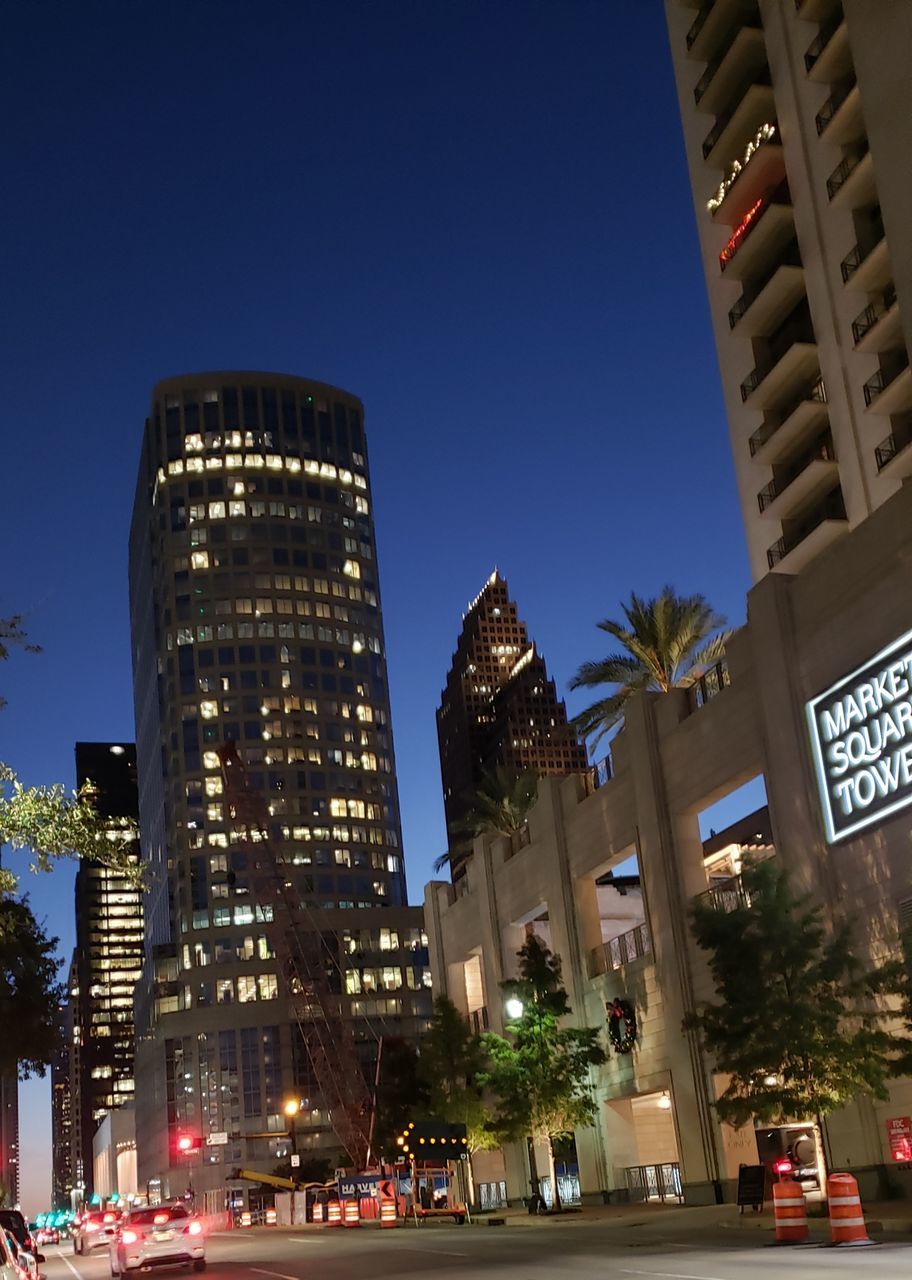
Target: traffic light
[[433, 1137], [188, 1142]]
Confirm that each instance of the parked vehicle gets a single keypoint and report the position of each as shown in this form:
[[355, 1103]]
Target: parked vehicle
[[26, 1262], [9, 1269], [96, 1229], [159, 1236], [12, 1220]]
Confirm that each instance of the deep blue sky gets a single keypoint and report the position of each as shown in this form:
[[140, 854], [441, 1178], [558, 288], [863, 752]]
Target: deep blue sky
[[474, 216]]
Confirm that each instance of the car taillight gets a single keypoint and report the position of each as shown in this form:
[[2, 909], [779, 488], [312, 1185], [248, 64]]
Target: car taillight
[[129, 1237], [195, 1228]]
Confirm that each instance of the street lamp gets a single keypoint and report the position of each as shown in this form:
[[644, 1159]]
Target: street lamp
[[291, 1109], [513, 1008]]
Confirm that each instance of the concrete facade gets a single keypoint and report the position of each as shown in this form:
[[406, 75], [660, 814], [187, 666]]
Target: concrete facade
[[676, 756], [802, 111]]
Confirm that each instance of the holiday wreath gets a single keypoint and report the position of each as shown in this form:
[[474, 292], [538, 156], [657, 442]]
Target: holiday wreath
[[622, 1027]]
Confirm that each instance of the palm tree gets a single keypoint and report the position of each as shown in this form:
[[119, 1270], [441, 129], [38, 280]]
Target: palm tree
[[669, 644], [500, 806]]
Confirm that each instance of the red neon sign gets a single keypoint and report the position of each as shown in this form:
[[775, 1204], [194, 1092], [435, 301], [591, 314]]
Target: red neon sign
[[739, 233]]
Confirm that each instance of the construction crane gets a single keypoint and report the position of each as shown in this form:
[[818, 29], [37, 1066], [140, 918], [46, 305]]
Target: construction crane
[[305, 959]]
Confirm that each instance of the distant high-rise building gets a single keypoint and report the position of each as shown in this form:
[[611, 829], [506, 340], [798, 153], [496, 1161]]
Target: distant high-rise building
[[109, 951], [255, 614], [62, 1179], [9, 1137], [499, 706], [798, 127]]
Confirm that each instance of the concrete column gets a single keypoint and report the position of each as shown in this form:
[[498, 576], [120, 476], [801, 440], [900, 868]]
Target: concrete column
[[665, 885]]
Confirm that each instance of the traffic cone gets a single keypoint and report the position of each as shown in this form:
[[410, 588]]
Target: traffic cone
[[847, 1224], [790, 1212]]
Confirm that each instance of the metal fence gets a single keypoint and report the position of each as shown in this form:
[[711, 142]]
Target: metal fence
[[655, 1181], [619, 951], [492, 1195]]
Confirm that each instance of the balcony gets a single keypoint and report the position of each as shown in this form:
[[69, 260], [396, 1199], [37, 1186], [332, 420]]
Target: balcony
[[786, 367], [851, 184], [771, 295], [867, 265], [784, 430], [752, 104], [788, 493], [725, 895], [620, 951], [759, 242], [894, 454], [707, 31], [760, 169], [809, 537], [840, 120], [890, 390], [878, 327], [709, 685], [828, 57], [743, 52]]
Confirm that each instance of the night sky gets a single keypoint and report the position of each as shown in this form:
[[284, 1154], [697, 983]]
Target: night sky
[[474, 216]]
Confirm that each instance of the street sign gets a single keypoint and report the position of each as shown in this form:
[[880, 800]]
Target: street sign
[[217, 1140], [295, 1161], [385, 1187], [899, 1136], [363, 1186]]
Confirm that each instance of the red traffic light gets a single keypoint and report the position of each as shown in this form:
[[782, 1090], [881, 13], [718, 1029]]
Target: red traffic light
[[187, 1142]]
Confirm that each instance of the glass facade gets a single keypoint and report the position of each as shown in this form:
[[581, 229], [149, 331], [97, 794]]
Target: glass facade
[[256, 619]]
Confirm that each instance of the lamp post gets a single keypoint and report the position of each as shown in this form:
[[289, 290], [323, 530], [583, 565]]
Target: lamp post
[[291, 1109], [514, 1008]]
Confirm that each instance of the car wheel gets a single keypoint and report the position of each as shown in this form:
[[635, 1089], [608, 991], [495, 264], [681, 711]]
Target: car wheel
[[199, 1264]]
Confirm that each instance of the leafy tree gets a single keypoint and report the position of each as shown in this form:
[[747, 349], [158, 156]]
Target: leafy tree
[[49, 821], [668, 644], [540, 1074], [500, 805], [401, 1094], [797, 1025], [29, 992], [451, 1066]]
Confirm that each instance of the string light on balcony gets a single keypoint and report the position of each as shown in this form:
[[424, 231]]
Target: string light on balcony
[[765, 133]]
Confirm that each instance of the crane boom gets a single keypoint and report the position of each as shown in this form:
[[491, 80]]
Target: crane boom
[[305, 958]]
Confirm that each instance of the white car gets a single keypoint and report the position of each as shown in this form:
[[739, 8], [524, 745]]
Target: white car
[[160, 1236], [9, 1268]]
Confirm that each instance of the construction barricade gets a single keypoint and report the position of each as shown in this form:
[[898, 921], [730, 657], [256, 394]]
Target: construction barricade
[[272, 1216], [388, 1216], [334, 1214], [352, 1213], [847, 1224], [246, 1218], [317, 1212], [790, 1212]]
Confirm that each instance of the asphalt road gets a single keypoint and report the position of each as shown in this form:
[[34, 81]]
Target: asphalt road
[[673, 1250]]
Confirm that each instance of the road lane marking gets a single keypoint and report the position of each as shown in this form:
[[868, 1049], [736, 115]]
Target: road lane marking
[[449, 1253], [77, 1274], [302, 1239], [281, 1275], [674, 1275]]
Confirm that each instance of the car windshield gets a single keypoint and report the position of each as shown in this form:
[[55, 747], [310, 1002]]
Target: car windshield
[[158, 1216], [13, 1221]]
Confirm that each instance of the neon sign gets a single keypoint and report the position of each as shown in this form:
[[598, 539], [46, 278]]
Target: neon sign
[[740, 232], [861, 742]]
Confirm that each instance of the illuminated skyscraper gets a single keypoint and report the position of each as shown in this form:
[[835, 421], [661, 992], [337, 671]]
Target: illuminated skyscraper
[[256, 619], [109, 952], [499, 706]]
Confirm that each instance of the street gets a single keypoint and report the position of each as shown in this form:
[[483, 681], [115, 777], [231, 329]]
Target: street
[[668, 1248]]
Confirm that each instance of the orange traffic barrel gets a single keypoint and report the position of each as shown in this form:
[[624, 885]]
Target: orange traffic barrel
[[388, 1216], [246, 1218], [352, 1213], [271, 1217], [789, 1212], [316, 1211], [334, 1214], [847, 1224]]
